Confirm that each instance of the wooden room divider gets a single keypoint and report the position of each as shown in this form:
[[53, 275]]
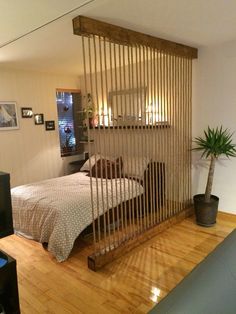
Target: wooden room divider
[[138, 92]]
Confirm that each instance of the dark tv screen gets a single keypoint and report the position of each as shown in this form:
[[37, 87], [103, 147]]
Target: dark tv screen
[[6, 223]]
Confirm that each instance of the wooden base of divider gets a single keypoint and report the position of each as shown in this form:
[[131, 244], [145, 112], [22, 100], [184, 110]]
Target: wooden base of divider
[[97, 261]]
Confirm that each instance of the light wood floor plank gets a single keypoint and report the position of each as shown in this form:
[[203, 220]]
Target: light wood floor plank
[[131, 284]]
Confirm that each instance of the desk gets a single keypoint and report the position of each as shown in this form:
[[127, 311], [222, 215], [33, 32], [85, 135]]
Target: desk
[[9, 297]]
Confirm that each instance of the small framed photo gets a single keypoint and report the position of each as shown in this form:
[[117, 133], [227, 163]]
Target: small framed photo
[[26, 112], [38, 118], [50, 125], [8, 116]]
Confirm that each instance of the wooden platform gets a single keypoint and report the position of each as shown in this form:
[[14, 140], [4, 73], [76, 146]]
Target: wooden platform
[[131, 284]]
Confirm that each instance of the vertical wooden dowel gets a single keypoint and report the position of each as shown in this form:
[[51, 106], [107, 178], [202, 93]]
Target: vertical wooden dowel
[[91, 184], [153, 142], [190, 122], [178, 135], [155, 125], [159, 133], [100, 208], [91, 72], [116, 179], [132, 135], [162, 209], [104, 190], [142, 92], [182, 159], [168, 130], [152, 139], [164, 118], [172, 138], [113, 133], [124, 65], [127, 97], [109, 146], [143, 73], [122, 146], [185, 135], [139, 134]]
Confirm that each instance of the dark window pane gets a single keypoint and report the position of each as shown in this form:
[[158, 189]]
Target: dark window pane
[[67, 105]]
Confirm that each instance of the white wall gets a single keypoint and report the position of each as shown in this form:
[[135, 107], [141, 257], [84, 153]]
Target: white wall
[[214, 104], [31, 153]]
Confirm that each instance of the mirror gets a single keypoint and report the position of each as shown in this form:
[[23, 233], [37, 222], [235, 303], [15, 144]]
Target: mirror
[[127, 107]]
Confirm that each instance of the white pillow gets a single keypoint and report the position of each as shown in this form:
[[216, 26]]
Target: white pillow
[[93, 159], [135, 166]]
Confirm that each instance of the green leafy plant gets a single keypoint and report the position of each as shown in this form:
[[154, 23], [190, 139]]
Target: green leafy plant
[[68, 133], [89, 109], [67, 141], [215, 143]]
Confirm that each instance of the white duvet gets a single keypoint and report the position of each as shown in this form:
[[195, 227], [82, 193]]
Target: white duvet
[[57, 210]]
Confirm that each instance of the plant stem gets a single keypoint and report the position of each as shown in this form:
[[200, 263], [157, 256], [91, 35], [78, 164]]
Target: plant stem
[[210, 179]]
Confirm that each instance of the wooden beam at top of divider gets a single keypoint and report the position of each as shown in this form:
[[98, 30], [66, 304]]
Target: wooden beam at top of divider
[[87, 26]]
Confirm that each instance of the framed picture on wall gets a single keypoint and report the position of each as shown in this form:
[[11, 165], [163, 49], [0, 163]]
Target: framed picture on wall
[[50, 125], [26, 112], [38, 118], [8, 115]]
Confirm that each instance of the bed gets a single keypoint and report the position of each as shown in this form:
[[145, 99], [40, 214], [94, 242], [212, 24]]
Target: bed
[[57, 210]]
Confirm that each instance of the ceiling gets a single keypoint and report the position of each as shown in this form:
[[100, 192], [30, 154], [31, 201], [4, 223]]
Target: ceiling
[[54, 48]]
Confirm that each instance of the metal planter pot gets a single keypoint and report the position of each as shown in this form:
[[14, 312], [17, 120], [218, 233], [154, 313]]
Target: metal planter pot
[[205, 212]]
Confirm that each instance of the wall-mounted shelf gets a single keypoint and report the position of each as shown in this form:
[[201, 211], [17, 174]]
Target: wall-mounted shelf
[[147, 127], [86, 142]]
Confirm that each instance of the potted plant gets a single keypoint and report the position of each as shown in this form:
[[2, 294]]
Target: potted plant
[[67, 148], [89, 110], [215, 143]]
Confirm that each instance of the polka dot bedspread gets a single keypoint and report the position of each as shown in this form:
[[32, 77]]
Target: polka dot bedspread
[[57, 210]]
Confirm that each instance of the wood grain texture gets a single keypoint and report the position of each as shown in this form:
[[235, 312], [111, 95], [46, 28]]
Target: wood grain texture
[[86, 26], [97, 261], [131, 284]]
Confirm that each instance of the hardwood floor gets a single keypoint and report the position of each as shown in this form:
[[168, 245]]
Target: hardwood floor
[[131, 284]]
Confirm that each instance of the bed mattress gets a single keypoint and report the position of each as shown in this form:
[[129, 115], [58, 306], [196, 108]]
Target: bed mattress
[[57, 210]]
